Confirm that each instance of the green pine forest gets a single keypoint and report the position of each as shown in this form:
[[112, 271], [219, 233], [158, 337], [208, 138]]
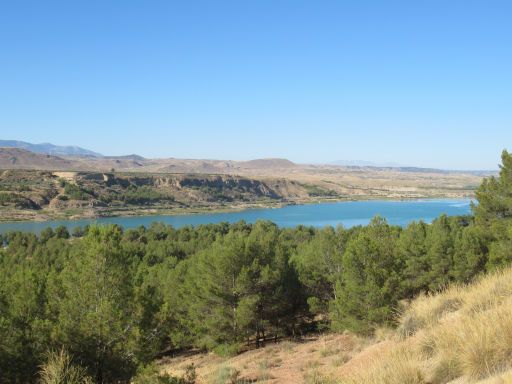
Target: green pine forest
[[106, 302]]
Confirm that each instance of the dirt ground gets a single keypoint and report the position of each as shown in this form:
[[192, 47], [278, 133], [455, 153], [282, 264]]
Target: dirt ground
[[315, 359]]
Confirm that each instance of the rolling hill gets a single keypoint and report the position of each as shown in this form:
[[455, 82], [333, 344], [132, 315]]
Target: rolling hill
[[17, 158]]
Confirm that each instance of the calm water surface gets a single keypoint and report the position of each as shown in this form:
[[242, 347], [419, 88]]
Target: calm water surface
[[348, 213]]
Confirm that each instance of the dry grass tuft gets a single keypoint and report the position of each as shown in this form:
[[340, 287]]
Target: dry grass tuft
[[481, 343], [503, 378], [315, 377], [399, 366], [59, 369], [427, 310]]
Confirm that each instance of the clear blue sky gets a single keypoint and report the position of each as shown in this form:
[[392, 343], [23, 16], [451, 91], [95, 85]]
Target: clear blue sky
[[425, 83]]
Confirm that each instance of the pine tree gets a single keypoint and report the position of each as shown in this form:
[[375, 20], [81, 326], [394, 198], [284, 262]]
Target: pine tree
[[412, 250], [369, 290], [319, 264], [493, 213], [91, 300], [211, 292], [470, 253], [440, 249]]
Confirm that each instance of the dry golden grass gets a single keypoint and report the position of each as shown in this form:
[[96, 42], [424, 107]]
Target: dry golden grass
[[60, 369], [461, 335], [395, 365], [503, 378]]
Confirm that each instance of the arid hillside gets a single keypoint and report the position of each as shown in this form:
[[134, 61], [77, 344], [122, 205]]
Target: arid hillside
[[339, 182], [28, 194], [17, 158]]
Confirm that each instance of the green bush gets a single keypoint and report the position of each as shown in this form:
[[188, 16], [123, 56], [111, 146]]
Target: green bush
[[150, 375], [76, 192], [144, 195]]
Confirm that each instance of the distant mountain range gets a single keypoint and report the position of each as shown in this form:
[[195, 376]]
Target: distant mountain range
[[13, 155], [22, 158], [407, 168], [50, 149]]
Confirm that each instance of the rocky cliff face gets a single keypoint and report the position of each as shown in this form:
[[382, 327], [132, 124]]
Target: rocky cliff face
[[65, 190]]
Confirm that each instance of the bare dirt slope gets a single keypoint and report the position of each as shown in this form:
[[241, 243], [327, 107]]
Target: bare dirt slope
[[286, 362]]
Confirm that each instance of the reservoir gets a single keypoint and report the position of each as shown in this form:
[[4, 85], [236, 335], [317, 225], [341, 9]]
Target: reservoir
[[348, 214]]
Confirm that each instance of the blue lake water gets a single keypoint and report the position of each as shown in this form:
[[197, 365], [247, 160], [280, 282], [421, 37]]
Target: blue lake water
[[348, 214]]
